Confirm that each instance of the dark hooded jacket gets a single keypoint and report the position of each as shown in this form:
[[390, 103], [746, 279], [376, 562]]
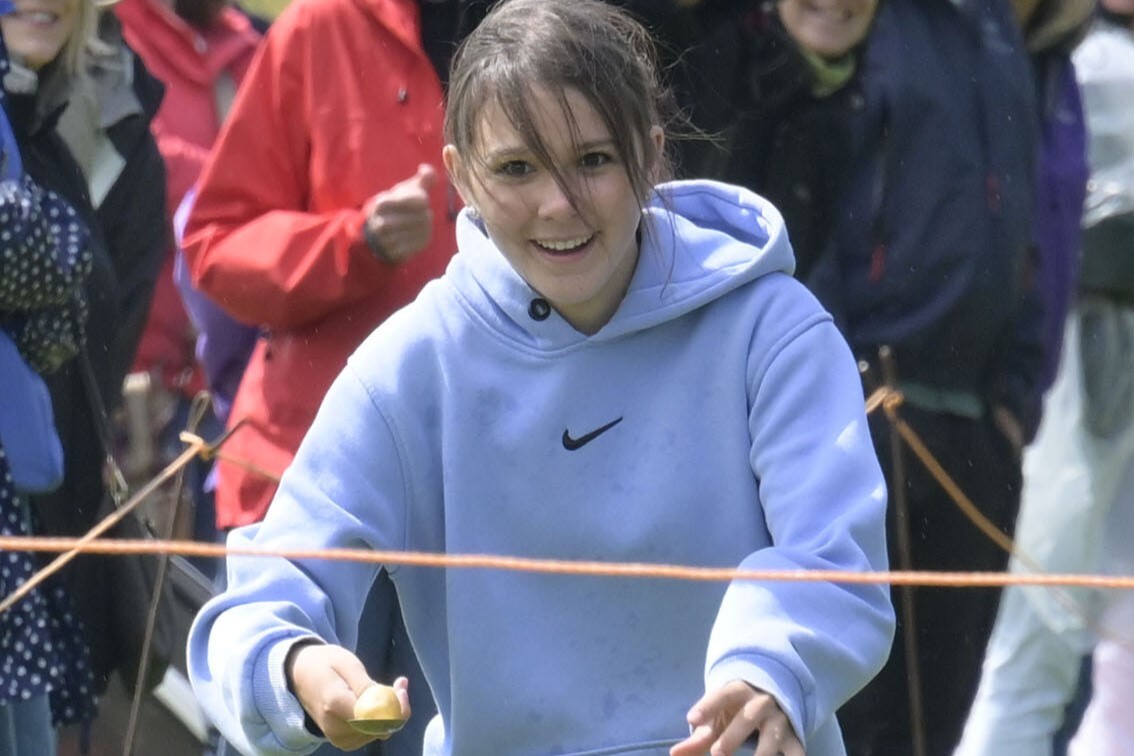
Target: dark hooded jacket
[[128, 238]]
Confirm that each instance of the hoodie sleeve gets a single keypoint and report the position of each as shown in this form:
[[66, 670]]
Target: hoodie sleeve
[[812, 645], [344, 490]]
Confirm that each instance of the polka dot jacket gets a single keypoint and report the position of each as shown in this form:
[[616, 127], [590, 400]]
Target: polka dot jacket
[[44, 258], [42, 648]]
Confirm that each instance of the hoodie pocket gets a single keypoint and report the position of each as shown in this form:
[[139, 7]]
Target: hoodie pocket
[[654, 748]]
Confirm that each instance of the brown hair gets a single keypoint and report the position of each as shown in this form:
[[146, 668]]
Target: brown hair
[[585, 45]]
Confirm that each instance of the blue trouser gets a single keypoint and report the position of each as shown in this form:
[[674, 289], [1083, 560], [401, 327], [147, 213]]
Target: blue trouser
[[25, 728]]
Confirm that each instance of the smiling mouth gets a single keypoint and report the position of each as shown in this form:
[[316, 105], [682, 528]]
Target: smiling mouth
[[38, 17], [832, 15], [564, 246]]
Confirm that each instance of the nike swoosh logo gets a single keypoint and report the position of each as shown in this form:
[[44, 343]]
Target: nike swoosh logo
[[571, 444]]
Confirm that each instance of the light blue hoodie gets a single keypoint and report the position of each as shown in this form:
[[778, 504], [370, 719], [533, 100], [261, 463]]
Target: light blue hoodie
[[740, 441]]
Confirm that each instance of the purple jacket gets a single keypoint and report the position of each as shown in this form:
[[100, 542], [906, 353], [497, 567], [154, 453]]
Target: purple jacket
[[1061, 188], [223, 344]]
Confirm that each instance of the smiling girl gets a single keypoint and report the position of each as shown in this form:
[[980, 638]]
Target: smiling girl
[[611, 368]]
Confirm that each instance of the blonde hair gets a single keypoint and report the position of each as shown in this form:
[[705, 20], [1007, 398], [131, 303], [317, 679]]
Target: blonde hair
[[72, 57]]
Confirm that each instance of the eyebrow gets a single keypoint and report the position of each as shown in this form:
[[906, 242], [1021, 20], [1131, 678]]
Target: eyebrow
[[507, 153]]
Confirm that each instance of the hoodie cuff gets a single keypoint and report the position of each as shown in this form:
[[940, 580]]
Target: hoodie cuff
[[279, 708], [770, 676]]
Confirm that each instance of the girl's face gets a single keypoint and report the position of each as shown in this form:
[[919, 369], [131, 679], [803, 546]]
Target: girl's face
[[38, 30], [828, 28], [580, 260]]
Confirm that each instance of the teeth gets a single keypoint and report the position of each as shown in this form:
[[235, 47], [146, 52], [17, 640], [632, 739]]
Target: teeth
[[563, 246], [41, 17]]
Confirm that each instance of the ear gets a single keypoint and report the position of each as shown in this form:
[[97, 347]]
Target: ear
[[657, 142], [457, 170]]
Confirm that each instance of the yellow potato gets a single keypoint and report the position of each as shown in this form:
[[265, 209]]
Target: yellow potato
[[378, 702]]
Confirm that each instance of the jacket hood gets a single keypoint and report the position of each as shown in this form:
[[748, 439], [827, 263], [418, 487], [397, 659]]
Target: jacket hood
[[156, 32], [700, 241]]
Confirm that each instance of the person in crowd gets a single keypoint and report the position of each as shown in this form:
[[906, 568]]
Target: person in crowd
[[1106, 728], [321, 211], [792, 100], [114, 179], [106, 128], [45, 676], [749, 81], [768, 87], [898, 139], [1025, 687], [200, 50], [1078, 489], [929, 257], [612, 369], [1106, 341], [223, 344], [1052, 30]]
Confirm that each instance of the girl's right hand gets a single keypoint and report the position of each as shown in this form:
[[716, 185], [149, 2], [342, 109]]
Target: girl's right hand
[[328, 680]]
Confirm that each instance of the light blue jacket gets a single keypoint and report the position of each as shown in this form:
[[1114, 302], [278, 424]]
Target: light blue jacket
[[735, 436]]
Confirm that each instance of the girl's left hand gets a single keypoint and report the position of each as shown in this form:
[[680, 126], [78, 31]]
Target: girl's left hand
[[725, 718]]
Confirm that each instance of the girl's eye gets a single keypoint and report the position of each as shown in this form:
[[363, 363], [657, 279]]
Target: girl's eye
[[594, 160], [515, 168]]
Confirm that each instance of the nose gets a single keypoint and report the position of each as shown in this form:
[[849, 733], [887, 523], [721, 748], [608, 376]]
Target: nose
[[553, 202]]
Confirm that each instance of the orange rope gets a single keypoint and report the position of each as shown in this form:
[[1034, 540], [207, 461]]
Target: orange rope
[[212, 451], [79, 545], [566, 566], [890, 400], [246, 465], [884, 397], [881, 396]]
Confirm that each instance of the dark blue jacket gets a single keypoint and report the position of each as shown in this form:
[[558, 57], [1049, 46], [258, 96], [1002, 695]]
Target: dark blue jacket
[[931, 250]]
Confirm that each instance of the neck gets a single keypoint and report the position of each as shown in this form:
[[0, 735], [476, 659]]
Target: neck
[[20, 79]]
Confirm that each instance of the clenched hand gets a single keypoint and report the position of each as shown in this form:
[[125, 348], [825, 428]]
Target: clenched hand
[[399, 221]]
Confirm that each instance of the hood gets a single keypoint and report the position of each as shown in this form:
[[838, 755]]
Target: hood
[[700, 241]]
